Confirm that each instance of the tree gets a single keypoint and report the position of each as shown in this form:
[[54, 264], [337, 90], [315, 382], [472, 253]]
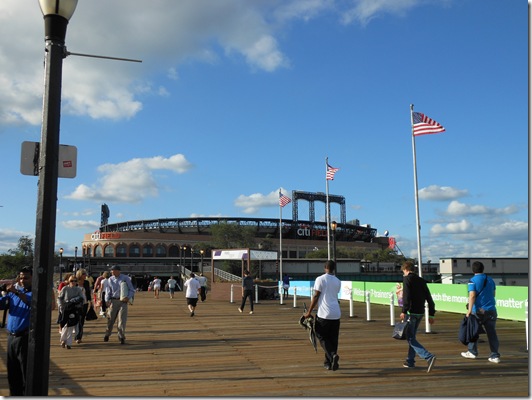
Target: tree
[[15, 259]]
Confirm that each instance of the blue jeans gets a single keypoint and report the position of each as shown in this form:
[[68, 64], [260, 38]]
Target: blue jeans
[[414, 347], [488, 320]]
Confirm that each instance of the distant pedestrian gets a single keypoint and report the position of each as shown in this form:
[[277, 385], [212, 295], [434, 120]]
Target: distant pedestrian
[[415, 294], [482, 305], [70, 301], [327, 324], [117, 304], [247, 291], [171, 286], [203, 282], [193, 289], [81, 276], [286, 285], [156, 287]]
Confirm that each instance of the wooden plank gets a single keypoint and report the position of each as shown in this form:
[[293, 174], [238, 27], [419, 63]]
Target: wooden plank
[[221, 352]]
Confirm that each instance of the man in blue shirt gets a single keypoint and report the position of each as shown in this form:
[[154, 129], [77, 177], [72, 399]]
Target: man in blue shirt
[[482, 304], [117, 302], [17, 300]]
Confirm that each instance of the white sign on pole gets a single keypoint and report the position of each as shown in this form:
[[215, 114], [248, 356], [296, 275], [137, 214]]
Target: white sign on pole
[[29, 160]]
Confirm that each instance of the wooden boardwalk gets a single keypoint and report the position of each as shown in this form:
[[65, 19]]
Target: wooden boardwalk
[[221, 352]]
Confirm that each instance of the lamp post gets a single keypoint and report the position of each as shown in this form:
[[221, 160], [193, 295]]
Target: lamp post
[[184, 257], [333, 232], [56, 15], [76, 258], [201, 253], [191, 259], [60, 265]]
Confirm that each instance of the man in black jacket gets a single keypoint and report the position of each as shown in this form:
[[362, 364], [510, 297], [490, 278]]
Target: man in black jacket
[[415, 293]]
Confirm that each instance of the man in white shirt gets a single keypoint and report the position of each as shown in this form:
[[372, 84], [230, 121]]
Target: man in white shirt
[[327, 324], [193, 288], [117, 305], [203, 282]]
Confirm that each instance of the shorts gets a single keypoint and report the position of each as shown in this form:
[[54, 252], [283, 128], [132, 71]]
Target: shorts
[[192, 301]]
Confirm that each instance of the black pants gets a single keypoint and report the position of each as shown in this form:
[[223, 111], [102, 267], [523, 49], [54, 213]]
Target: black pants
[[17, 353], [247, 293], [82, 315], [203, 293], [327, 332]]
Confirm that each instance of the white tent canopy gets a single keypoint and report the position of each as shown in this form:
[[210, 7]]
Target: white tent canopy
[[243, 254]]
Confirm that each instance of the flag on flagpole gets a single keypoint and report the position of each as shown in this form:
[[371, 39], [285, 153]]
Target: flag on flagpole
[[283, 200], [424, 125], [330, 172]]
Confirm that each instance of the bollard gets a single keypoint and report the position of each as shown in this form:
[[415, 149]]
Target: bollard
[[295, 297], [351, 308], [392, 310], [232, 287], [427, 324], [368, 306], [256, 294], [526, 322]]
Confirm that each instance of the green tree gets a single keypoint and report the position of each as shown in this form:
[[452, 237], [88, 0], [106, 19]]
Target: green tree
[[15, 259]]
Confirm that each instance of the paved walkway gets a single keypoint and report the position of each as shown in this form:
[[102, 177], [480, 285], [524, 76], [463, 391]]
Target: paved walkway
[[221, 352]]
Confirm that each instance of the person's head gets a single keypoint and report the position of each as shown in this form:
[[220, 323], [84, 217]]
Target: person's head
[[67, 276], [25, 276], [330, 266], [246, 272], [477, 267], [105, 274], [81, 274], [73, 281], [115, 270], [171, 277], [407, 267], [192, 275]]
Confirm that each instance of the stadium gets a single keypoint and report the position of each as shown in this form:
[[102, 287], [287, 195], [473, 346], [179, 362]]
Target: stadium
[[158, 246]]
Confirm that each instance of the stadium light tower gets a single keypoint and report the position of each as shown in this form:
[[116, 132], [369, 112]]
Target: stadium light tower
[[56, 14]]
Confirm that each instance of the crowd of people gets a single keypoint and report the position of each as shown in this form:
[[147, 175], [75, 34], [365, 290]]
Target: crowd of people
[[113, 291]]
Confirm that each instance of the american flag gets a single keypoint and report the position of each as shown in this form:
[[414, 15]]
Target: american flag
[[330, 172], [424, 125], [283, 200]]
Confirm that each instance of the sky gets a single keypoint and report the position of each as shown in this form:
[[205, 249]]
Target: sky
[[236, 99]]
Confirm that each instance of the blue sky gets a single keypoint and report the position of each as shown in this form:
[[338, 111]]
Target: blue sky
[[235, 99]]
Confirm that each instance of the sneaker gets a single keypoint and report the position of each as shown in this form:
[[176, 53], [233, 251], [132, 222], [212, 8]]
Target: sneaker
[[406, 365], [106, 338], [335, 365], [78, 341], [468, 354], [68, 347], [251, 312], [63, 345], [122, 340], [327, 366], [239, 309], [495, 360], [192, 314], [431, 363]]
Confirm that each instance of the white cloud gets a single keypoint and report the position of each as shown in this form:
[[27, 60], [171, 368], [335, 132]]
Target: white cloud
[[253, 203], [80, 225], [441, 193], [456, 208], [131, 181], [365, 10], [462, 226]]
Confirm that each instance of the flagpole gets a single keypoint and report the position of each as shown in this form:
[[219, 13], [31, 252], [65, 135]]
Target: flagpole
[[327, 211], [418, 226], [280, 247]]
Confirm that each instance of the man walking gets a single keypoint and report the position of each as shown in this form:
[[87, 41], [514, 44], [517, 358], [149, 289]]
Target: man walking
[[247, 291], [171, 286], [18, 301], [415, 293], [327, 324], [192, 291], [203, 282], [482, 305], [117, 304]]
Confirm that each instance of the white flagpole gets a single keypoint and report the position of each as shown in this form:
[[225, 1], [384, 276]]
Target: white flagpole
[[280, 246], [327, 211], [418, 226]]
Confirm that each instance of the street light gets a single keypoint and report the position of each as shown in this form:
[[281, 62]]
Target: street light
[[201, 252], [333, 231], [60, 265], [56, 14], [184, 257], [76, 258]]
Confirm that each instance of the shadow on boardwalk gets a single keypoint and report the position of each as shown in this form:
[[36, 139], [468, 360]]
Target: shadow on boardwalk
[[221, 352]]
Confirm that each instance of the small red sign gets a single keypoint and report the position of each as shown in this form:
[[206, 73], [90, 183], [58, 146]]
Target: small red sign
[[67, 164]]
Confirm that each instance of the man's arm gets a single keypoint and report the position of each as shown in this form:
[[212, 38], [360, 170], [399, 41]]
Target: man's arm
[[313, 303], [471, 303]]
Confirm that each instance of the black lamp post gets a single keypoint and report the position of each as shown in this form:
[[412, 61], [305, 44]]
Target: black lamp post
[[184, 257], [76, 258], [56, 16], [191, 259], [201, 252], [333, 231], [60, 265]]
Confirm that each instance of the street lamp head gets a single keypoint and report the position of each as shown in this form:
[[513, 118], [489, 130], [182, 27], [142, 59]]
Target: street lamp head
[[56, 14], [61, 251], [333, 225]]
